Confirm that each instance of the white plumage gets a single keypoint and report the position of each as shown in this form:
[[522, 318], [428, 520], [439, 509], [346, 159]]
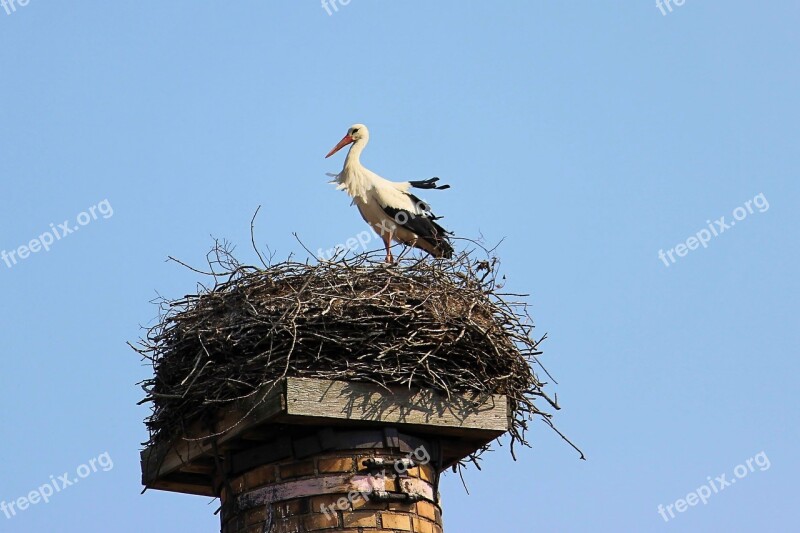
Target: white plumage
[[387, 206]]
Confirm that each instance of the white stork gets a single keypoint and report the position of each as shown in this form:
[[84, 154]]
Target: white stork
[[387, 206]]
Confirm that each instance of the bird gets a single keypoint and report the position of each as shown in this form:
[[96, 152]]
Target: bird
[[387, 206]]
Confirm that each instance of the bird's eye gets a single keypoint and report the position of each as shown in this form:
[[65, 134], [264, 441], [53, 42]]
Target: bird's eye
[[355, 130]]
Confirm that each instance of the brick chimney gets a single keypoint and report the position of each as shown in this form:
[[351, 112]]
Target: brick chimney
[[331, 456], [381, 489]]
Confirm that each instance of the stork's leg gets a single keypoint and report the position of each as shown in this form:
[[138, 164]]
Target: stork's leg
[[387, 242]]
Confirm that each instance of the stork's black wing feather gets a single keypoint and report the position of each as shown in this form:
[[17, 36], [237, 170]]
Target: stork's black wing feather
[[422, 205], [428, 184], [423, 225]]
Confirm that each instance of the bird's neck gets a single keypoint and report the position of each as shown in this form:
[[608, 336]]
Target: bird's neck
[[354, 155], [354, 178]]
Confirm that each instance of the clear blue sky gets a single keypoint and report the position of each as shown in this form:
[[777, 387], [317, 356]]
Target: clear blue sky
[[589, 135]]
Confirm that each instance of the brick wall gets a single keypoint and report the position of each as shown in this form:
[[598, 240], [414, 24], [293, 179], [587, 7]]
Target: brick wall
[[327, 509]]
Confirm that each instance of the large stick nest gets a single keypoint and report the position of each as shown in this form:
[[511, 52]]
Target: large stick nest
[[442, 325]]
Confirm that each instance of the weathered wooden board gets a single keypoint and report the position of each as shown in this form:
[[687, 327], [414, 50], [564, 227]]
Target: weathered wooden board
[[158, 461], [473, 421], [343, 401]]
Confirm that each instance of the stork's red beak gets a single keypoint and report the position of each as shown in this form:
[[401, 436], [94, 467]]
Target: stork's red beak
[[347, 139]]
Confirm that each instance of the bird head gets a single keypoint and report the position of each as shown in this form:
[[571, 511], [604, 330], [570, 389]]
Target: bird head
[[355, 133]]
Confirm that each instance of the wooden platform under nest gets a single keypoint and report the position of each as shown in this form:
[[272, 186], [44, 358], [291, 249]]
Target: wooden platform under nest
[[299, 417]]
